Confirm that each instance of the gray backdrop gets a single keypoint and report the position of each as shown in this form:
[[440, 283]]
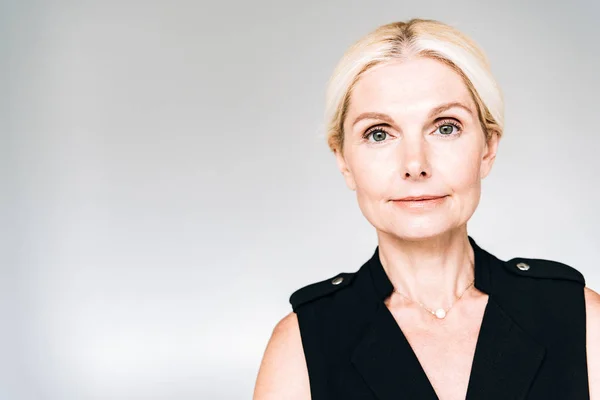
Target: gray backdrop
[[166, 184]]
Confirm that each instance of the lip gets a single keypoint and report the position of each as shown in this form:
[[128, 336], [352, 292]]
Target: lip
[[420, 203], [420, 198]]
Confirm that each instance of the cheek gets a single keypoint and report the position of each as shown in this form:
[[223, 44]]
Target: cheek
[[462, 177], [372, 185], [369, 188], [459, 169], [372, 176]]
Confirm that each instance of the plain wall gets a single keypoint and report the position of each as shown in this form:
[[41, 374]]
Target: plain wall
[[166, 184]]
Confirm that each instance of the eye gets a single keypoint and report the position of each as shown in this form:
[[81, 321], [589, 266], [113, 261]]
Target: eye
[[378, 133], [448, 126]]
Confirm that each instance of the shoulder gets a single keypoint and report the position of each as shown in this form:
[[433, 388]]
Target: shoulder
[[592, 307], [543, 269], [283, 372], [320, 289]]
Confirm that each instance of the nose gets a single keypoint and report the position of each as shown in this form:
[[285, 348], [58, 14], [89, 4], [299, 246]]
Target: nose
[[414, 160]]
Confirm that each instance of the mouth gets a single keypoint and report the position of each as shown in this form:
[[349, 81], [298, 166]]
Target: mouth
[[420, 203], [419, 198]]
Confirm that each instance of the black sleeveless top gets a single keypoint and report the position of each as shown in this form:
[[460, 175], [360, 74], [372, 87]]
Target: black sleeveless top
[[531, 345]]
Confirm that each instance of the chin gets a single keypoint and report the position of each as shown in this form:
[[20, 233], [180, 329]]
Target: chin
[[415, 236], [416, 232]]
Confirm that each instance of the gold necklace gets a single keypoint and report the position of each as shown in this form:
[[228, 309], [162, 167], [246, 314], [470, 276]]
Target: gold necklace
[[440, 312]]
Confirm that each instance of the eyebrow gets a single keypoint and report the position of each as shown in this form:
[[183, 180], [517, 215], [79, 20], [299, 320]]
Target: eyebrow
[[437, 110]]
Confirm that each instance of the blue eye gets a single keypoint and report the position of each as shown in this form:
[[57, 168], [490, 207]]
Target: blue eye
[[378, 133], [447, 127]]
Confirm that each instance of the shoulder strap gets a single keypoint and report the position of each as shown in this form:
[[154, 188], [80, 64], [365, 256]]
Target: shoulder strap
[[320, 289], [540, 268]]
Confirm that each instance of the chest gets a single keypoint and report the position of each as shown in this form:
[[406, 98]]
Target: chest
[[445, 349], [524, 351]]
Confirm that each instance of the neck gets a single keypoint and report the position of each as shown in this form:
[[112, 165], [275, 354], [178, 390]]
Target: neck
[[433, 271]]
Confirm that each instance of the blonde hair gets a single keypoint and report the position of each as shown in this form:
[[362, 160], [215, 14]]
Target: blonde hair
[[414, 38]]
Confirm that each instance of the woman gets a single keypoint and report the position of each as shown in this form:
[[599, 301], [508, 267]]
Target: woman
[[414, 120]]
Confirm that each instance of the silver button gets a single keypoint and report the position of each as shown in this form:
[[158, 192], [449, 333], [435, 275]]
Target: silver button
[[522, 266], [338, 280]]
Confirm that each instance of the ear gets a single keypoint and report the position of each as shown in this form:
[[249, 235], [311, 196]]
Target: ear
[[343, 167], [489, 155]]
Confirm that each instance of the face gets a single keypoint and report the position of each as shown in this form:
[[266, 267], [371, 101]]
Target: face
[[403, 138]]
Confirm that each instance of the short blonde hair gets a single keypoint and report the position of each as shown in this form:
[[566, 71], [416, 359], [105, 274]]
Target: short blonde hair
[[414, 38]]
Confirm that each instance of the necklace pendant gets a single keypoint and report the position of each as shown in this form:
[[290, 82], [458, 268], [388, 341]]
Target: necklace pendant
[[440, 313]]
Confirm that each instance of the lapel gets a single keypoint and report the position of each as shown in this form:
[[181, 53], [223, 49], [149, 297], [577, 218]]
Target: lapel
[[506, 358]]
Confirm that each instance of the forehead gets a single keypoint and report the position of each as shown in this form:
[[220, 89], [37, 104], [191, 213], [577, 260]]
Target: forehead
[[414, 85]]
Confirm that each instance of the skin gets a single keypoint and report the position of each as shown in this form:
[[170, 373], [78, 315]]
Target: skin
[[425, 252]]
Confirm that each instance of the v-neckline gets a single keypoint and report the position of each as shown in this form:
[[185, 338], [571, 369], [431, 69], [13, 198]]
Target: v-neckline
[[478, 344], [385, 283], [389, 364]]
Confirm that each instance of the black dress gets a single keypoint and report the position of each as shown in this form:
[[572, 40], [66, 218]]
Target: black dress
[[531, 345]]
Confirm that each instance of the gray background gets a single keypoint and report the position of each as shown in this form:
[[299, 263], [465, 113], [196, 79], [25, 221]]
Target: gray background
[[166, 184]]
